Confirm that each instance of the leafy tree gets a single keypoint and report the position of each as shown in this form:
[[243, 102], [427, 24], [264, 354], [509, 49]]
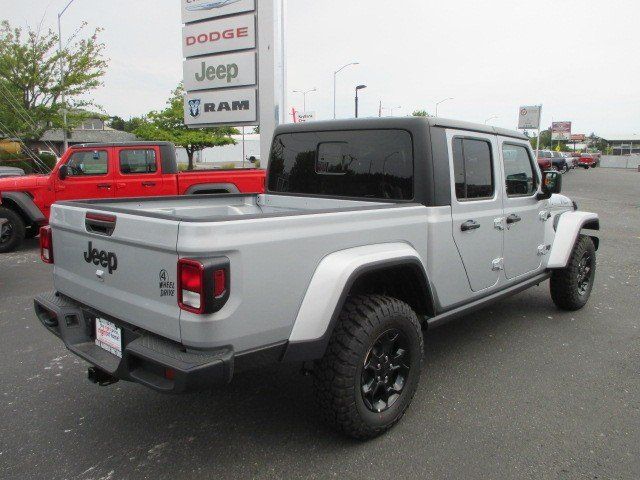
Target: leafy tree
[[30, 84], [123, 125], [168, 125], [420, 113]]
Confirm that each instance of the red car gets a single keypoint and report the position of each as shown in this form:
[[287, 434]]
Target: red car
[[588, 160], [545, 158], [95, 171]]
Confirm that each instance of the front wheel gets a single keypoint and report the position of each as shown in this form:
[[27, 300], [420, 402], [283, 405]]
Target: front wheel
[[370, 372], [12, 230], [571, 286]]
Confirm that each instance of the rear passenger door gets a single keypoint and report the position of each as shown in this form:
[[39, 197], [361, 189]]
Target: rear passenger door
[[524, 219], [476, 203], [138, 172]]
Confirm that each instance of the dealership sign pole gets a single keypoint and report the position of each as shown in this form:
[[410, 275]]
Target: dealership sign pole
[[234, 68]]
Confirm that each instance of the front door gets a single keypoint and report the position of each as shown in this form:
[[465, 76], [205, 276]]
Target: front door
[[476, 203], [523, 212], [88, 176]]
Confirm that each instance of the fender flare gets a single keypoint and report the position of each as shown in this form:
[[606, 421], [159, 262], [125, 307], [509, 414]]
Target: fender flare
[[567, 230], [204, 188], [25, 205], [329, 288]]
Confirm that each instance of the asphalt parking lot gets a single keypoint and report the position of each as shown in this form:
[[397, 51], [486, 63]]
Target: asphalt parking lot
[[520, 390]]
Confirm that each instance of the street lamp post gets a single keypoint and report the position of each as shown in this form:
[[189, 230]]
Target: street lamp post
[[358, 88], [442, 101], [304, 96], [335, 74], [65, 143], [492, 117]]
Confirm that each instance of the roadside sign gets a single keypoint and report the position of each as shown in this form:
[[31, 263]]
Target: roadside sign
[[196, 10], [219, 36], [561, 131], [305, 117], [220, 71], [578, 138], [222, 107], [529, 117]]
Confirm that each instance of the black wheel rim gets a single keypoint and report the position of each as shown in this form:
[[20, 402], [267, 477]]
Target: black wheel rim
[[585, 272], [6, 232], [386, 371]]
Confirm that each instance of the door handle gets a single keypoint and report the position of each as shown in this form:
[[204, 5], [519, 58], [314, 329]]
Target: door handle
[[513, 218], [104, 186], [469, 225], [148, 184]]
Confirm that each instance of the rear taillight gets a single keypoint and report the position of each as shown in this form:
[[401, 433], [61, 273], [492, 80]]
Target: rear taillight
[[203, 285], [46, 244]]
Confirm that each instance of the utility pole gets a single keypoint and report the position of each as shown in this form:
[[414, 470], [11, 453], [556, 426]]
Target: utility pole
[[65, 142]]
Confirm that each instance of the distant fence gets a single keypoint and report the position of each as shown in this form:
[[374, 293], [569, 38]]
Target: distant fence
[[625, 161]]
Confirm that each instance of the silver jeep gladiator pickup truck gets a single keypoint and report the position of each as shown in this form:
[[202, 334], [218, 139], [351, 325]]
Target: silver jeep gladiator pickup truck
[[369, 231]]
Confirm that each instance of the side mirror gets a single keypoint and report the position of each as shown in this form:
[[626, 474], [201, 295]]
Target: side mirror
[[551, 183], [63, 172]]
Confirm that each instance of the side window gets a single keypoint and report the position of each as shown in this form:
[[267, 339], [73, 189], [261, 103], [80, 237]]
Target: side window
[[519, 171], [473, 169], [138, 161], [88, 163]]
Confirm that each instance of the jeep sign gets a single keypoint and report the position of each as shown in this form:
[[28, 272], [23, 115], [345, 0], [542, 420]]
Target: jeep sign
[[233, 70], [217, 36], [196, 10], [221, 107]]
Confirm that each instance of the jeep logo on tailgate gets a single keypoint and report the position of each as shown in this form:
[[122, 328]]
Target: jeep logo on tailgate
[[105, 259]]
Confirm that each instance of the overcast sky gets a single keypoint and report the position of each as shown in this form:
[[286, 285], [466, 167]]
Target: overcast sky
[[577, 57]]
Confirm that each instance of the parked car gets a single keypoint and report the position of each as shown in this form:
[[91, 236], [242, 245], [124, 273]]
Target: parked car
[[10, 172], [588, 160], [102, 171], [559, 162], [369, 231], [545, 160]]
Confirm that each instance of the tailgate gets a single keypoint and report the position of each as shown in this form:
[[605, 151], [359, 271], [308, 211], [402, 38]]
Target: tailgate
[[127, 272]]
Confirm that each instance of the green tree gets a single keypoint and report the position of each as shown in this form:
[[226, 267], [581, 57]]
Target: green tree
[[119, 123], [30, 83], [168, 125], [420, 113], [545, 140]]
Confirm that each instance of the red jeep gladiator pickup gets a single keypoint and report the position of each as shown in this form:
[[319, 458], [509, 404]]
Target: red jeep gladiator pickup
[[100, 171]]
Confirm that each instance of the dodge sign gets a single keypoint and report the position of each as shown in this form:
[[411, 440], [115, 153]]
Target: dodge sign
[[217, 36]]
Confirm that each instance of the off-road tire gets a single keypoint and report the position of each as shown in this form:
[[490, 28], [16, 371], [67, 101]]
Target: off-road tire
[[565, 284], [338, 375], [16, 236]]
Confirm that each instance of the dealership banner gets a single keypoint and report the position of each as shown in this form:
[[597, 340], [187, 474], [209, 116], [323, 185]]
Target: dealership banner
[[561, 131], [196, 10], [220, 71], [530, 117]]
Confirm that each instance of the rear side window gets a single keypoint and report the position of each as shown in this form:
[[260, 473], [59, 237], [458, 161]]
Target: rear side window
[[519, 171], [473, 169], [138, 161], [88, 163], [374, 164]]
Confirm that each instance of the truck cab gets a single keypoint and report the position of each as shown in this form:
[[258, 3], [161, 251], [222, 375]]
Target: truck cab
[[107, 171]]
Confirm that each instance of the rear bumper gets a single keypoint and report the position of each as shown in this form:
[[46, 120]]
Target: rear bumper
[[155, 362]]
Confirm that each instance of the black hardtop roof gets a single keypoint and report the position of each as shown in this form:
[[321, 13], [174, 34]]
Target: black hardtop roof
[[121, 144], [408, 123]]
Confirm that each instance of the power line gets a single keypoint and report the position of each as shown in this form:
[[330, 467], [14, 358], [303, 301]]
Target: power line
[[26, 116], [9, 134]]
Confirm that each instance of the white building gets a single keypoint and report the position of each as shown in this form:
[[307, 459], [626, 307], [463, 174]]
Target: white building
[[218, 156]]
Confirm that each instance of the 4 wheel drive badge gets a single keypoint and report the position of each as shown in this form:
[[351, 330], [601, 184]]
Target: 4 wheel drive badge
[[194, 107], [211, 5]]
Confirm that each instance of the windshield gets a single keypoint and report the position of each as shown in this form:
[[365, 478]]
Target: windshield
[[359, 164]]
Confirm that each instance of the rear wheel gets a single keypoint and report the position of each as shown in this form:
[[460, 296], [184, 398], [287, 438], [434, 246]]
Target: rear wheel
[[12, 230], [371, 369], [571, 287]]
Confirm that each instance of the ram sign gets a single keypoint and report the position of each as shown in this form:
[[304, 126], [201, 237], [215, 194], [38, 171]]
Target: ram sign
[[222, 107]]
